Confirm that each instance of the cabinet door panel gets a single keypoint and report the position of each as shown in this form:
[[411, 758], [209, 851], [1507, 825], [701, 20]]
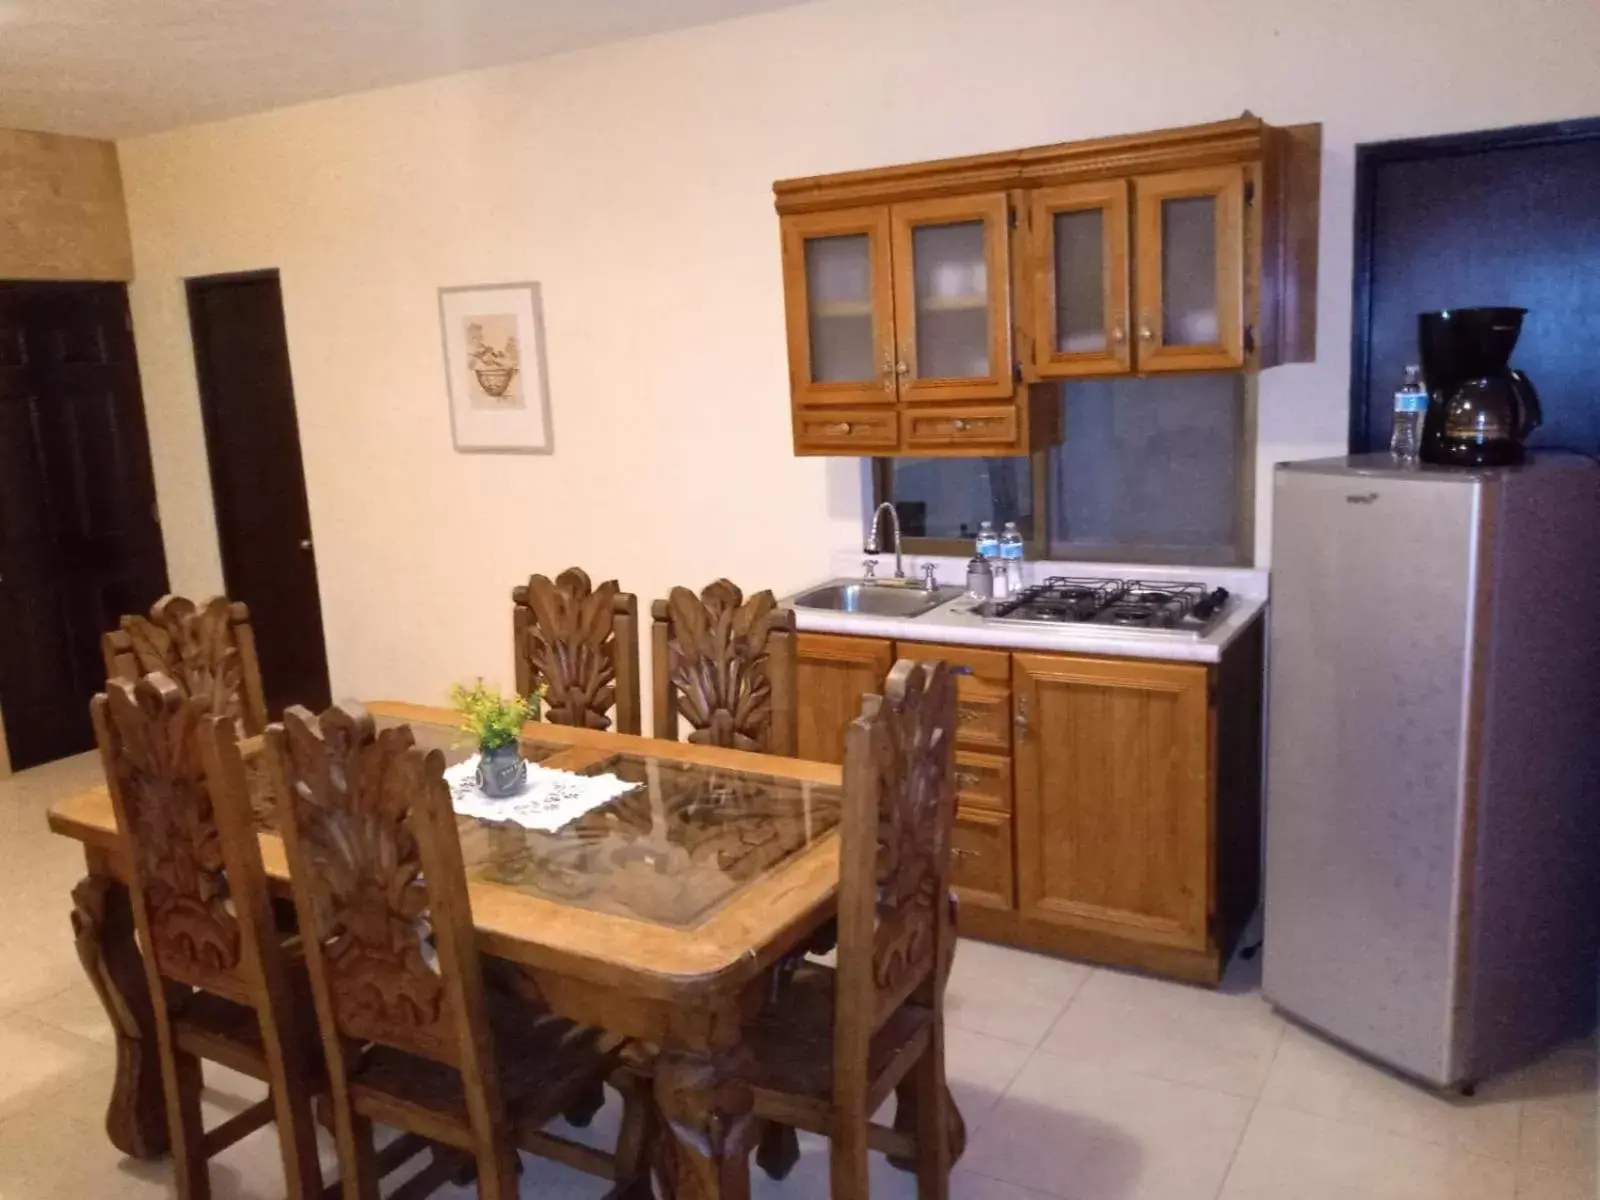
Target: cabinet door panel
[[952, 299], [1191, 254], [833, 674], [1079, 247], [837, 290], [980, 859], [1112, 796]]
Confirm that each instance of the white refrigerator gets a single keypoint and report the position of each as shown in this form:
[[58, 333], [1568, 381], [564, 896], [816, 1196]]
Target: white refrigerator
[[1433, 772]]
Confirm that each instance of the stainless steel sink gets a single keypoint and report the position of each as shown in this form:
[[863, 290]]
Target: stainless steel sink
[[879, 600]]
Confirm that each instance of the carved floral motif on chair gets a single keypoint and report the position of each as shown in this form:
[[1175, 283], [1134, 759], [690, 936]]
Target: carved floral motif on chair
[[570, 645], [353, 793], [913, 756], [194, 646], [178, 849], [718, 663]]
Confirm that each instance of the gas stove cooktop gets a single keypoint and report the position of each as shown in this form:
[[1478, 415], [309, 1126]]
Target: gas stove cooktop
[[1132, 605]]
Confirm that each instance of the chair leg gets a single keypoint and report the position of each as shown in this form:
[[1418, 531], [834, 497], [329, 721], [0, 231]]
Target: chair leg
[[191, 1172], [297, 1141], [497, 1172], [933, 1122], [358, 1156], [777, 1149], [582, 1110], [847, 1157]]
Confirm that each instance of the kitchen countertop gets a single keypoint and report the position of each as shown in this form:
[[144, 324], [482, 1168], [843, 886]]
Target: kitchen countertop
[[954, 622]]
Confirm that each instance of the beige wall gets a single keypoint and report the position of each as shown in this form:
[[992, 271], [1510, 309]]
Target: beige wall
[[61, 212], [633, 181]]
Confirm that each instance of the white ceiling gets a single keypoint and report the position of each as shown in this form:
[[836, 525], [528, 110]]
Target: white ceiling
[[117, 68]]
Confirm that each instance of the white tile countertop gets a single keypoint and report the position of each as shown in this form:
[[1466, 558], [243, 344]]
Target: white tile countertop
[[954, 622]]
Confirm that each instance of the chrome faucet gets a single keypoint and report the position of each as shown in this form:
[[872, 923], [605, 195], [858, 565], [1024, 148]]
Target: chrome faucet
[[894, 526]]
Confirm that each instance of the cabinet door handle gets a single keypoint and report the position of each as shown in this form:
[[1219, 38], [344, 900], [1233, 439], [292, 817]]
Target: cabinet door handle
[[1119, 334], [901, 368], [1021, 719], [1145, 332], [888, 372]]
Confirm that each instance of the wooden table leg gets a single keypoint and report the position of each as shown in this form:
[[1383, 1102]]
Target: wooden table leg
[[703, 1152], [102, 922]]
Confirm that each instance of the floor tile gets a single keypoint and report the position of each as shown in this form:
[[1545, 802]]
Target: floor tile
[[1009, 994], [1292, 1154], [1561, 1115], [1212, 1039], [1541, 1183], [1087, 1132], [38, 1059], [75, 1009], [1312, 1075]]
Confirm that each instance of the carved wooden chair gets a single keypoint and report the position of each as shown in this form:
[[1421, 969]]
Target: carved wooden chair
[[411, 1036], [834, 1043], [582, 643], [728, 665], [191, 643], [221, 983]]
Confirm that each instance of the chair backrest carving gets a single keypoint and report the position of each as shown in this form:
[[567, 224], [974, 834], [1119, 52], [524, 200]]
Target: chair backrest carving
[[207, 649], [582, 643], [378, 879], [150, 743], [727, 664], [895, 932]]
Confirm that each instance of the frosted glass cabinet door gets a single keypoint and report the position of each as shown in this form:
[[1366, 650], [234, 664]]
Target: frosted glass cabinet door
[[1078, 236], [952, 297], [1191, 247], [837, 284]]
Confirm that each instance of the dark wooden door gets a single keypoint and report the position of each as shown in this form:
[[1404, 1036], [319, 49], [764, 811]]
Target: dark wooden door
[[258, 480], [80, 542], [1503, 217]]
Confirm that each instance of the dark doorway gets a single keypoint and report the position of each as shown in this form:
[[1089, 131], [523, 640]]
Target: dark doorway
[[1503, 217], [258, 481], [80, 542]]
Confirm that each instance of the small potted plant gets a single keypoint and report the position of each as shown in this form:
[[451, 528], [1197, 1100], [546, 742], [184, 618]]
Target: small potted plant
[[495, 724]]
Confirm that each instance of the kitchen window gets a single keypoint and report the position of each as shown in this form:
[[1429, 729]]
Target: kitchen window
[[1160, 469]]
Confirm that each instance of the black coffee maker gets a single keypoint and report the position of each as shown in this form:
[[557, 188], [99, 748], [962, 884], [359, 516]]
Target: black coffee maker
[[1480, 410]]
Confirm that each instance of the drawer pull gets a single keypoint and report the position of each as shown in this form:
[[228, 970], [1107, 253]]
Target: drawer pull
[[967, 779], [840, 427], [967, 715], [960, 852], [963, 424]]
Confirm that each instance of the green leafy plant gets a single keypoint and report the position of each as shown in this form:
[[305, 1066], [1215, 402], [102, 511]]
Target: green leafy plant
[[489, 718]]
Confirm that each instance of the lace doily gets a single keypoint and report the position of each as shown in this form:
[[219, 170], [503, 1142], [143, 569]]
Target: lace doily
[[550, 800]]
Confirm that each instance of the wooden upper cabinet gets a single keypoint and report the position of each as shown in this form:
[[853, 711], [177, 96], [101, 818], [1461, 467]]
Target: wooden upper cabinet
[[838, 292], [1190, 290], [1079, 251], [952, 299], [1113, 796], [958, 292]]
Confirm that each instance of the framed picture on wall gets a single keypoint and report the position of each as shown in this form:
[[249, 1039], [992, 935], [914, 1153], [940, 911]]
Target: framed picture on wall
[[494, 365]]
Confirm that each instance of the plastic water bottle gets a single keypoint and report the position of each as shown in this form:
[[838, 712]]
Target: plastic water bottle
[[988, 545], [1011, 556], [1410, 404], [988, 549]]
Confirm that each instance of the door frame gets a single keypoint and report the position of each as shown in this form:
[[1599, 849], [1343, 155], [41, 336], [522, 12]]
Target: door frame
[[1371, 158]]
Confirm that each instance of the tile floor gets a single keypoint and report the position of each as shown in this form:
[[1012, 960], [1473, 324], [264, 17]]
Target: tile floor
[[1077, 1084]]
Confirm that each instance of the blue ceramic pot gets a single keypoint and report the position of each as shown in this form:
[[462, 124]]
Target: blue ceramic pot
[[501, 771]]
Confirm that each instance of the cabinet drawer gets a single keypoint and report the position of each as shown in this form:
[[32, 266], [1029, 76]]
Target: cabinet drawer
[[983, 693], [970, 425], [983, 781], [980, 859], [832, 431]]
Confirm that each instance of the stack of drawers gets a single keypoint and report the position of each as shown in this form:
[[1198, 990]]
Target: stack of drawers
[[981, 855]]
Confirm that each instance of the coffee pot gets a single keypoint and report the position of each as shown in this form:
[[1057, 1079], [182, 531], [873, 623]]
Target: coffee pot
[[1480, 410]]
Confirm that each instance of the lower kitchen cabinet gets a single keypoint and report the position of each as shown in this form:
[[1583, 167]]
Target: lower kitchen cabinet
[[1112, 796], [832, 675], [1108, 809]]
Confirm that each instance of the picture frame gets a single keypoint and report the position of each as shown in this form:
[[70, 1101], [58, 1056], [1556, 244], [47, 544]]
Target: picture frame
[[492, 337]]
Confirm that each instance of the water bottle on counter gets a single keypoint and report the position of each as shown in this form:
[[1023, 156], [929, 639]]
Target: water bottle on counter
[[1410, 405], [1011, 548]]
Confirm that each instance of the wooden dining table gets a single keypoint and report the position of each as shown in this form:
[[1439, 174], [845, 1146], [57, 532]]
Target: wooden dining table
[[660, 916]]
